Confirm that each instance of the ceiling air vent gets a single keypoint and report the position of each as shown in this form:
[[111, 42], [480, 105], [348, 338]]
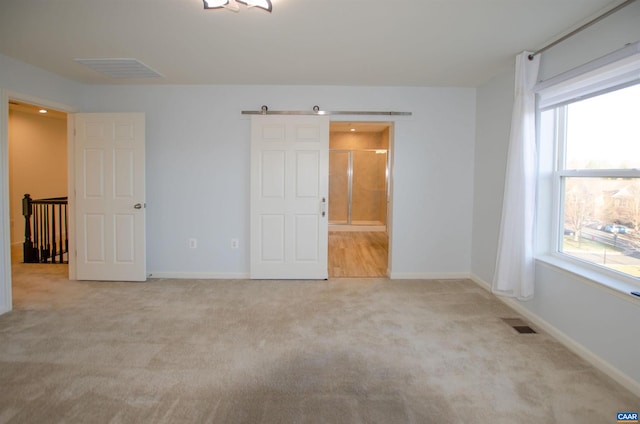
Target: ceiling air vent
[[120, 68]]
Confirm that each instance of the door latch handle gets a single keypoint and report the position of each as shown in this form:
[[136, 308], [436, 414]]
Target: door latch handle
[[137, 206], [323, 206]]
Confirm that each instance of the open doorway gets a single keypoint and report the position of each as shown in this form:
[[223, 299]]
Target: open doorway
[[359, 200], [37, 147]]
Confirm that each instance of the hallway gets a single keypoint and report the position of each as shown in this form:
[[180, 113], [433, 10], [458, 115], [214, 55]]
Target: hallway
[[358, 253]]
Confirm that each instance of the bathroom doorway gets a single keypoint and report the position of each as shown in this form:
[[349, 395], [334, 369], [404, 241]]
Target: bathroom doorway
[[359, 177]]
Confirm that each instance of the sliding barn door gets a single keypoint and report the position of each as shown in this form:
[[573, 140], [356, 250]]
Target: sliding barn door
[[110, 196], [289, 195]]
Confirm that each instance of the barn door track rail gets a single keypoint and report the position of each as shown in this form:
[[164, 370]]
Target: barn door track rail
[[264, 110]]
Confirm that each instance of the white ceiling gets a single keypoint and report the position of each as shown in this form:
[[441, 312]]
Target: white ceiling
[[303, 42], [16, 106]]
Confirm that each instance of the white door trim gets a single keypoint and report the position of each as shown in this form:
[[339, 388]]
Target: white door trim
[[5, 236], [390, 185], [71, 195], [6, 295]]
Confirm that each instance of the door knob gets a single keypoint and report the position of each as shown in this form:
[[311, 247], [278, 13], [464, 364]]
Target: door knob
[[137, 206]]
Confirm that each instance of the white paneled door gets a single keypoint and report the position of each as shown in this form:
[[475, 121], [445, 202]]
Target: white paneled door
[[110, 196], [289, 195]]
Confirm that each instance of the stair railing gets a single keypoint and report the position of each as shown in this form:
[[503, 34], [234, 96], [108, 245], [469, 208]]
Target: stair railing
[[46, 237]]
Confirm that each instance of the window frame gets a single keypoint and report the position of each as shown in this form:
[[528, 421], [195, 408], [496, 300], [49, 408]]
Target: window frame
[[553, 174]]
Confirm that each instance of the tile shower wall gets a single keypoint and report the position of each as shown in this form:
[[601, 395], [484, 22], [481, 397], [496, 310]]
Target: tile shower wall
[[366, 154]]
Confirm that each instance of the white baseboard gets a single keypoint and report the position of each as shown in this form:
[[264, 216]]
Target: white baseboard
[[586, 354], [429, 275], [200, 275], [479, 281], [244, 276]]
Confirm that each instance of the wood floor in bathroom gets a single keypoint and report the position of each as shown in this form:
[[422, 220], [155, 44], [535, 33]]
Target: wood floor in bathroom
[[358, 253]]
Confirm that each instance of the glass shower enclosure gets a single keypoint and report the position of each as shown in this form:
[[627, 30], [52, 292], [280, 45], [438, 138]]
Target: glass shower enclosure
[[358, 181]]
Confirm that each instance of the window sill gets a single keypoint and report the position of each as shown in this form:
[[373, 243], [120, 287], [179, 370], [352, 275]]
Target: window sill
[[616, 285]]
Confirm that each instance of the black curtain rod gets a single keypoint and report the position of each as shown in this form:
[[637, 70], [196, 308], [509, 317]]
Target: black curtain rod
[[583, 27]]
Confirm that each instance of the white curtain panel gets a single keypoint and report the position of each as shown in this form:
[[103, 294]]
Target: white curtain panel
[[515, 272]]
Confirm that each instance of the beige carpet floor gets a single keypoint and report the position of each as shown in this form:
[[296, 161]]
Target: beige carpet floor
[[337, 351]]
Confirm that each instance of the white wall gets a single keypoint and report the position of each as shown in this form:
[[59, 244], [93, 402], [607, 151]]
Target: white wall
[[599, 324], [493, 115], [198, 170], [610, 34], [198, 165], [33, 83]]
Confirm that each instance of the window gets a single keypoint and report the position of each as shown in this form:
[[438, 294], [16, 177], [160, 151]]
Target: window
[[599, 185], [592, 163]]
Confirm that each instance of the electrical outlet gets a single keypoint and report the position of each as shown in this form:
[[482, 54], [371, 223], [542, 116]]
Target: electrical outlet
[[193, 243], [235, 243]]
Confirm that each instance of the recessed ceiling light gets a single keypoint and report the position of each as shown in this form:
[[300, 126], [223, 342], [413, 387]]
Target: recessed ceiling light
[[43, 111], [352, 129]]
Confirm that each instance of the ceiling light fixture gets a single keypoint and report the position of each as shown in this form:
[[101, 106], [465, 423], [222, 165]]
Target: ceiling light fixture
[[233, 4], [43, 111]]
